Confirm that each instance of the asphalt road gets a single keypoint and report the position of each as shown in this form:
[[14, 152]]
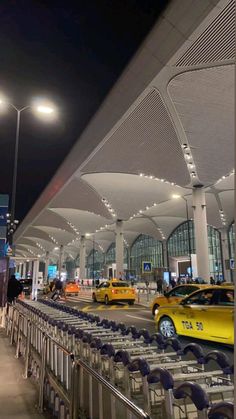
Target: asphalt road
[[140, 317]]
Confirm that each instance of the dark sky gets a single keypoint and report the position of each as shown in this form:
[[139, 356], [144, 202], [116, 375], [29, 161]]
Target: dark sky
[[70, 52]]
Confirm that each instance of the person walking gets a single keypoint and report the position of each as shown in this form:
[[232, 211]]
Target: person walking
[[14, 289]]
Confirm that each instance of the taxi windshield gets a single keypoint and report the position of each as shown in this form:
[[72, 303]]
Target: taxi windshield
[[120, 284], [182, 291]]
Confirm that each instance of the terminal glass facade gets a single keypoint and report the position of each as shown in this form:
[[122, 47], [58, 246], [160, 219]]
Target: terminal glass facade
[[111, 255], [232, 240], [146, 248], [178, 242], [178, 245], [95, 263]]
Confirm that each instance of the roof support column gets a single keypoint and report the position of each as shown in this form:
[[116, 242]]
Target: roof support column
[[82, 257], [225, 254], [201, 236], [24, 270], [60, 261], [46, 261], [119, 249], [35, 279], [165, 254]]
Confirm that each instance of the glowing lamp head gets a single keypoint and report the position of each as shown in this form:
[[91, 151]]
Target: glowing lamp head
[[45, 109], [176, 196]]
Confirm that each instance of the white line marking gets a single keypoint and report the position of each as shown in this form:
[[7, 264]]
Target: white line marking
[[140, 318]]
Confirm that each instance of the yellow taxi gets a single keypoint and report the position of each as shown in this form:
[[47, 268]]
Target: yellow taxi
[[114, 290], [71, 288], [205, 314], [174, 296]]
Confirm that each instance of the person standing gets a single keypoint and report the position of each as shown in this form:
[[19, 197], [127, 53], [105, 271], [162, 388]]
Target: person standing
[[14, 289]]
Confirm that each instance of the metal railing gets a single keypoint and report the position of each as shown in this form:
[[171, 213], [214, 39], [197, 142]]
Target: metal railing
[[66, 381]]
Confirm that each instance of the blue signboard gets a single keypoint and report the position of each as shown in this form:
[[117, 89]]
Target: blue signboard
[[52, 271], [147, 267], [3, 216], [2, 248]]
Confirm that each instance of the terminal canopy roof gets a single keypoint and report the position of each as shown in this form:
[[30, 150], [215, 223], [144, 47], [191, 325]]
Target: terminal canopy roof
[[166, 126]]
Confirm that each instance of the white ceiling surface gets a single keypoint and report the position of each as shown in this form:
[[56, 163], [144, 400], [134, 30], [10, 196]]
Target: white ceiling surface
[[79, 195], [177, 90], [128, 194], [204, 101], [85, 221], [227, 201]]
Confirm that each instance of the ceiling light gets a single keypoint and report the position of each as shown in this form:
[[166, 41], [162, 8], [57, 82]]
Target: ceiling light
[[176, 196], [191, 165], [187, 156], [141, 174]]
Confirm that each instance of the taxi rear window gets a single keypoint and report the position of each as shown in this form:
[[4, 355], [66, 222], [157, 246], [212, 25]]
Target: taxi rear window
[[120, 284]]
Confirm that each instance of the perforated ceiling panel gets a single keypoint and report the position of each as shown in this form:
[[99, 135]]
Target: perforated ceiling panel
[[83, 220], [204, 101], [212, 211], [168, 224], [51, 219], [61, 236], [78, 194], [146, 142], [128, 194], [227, 200], [142, 226], [216, 43]]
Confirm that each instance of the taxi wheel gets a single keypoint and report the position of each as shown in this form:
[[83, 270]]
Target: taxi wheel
[[107, 300], [155, 308], [167, 327]]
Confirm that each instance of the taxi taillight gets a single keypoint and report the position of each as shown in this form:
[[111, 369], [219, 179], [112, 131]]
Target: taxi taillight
[[114, 291], [133, 291]]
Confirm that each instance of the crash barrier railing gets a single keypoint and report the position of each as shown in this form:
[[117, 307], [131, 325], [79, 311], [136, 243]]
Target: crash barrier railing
[[155, 373]]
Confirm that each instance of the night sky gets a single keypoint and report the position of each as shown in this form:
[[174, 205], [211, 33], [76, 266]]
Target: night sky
[[70, 52]]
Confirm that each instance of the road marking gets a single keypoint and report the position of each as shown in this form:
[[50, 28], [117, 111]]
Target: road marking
[[140, 318]]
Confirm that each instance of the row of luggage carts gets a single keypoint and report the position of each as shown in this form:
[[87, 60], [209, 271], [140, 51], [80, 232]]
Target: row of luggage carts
[[158, 375]]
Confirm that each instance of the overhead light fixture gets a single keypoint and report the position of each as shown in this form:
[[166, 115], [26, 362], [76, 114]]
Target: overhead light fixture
[[176, 196]]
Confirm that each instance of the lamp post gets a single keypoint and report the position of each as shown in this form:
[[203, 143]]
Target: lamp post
[[93, 261], [40, 108], [188, 227]]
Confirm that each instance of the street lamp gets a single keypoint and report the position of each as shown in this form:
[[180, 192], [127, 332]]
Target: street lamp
[[40, 108], [176, 196]]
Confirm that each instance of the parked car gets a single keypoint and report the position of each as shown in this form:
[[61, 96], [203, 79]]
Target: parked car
[[27, 285]]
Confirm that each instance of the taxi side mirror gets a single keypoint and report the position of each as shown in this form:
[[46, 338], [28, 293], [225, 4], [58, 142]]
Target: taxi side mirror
[[184, 303]]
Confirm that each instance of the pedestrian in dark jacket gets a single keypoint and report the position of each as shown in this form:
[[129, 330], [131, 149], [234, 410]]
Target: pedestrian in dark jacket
[[14, 289]]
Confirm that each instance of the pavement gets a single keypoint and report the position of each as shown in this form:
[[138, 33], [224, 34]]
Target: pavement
[[140, 316], [85, 295], [18, 397]]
